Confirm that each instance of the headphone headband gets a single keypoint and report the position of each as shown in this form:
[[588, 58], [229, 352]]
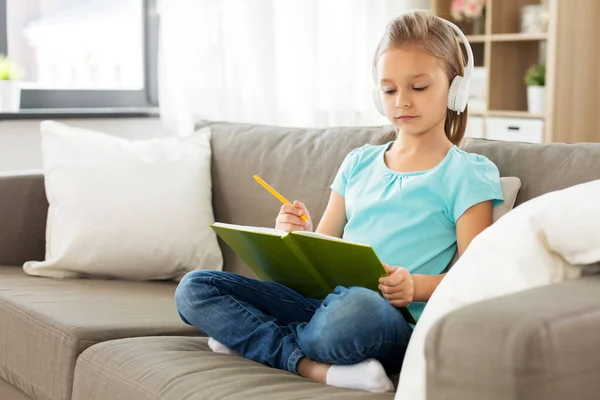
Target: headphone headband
[[470, 64]]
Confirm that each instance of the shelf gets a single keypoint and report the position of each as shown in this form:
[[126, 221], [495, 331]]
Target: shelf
[[564, 42], [513, 114], [505, 113], [507, 37], [475, 38], [477, 113], [513, 37], [508, 64]]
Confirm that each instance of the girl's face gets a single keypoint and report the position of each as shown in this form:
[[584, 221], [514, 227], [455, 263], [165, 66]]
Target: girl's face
[[413, 89]]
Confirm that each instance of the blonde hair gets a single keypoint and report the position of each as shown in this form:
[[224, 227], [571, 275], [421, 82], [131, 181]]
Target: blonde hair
[[422, 28]]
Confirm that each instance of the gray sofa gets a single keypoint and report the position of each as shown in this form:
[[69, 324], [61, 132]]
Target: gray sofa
[[115, 340]]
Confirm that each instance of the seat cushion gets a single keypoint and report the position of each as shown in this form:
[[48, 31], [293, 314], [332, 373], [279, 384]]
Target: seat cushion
[[9, 392], [46, 323], [177, 368]]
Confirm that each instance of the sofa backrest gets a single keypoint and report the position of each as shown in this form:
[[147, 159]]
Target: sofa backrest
[[23, 213], [301, 164], [542, 168]]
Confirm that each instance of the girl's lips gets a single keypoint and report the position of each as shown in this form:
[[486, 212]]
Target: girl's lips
[[406, 117]]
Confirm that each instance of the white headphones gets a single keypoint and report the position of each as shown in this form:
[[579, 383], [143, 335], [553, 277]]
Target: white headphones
[[458, 95]]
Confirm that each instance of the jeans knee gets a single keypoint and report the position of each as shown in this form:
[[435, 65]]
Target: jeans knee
[[358, 307], [348, 319], [191, 289]]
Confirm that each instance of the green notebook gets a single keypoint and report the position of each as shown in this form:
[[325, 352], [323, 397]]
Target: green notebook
[[310, 263]]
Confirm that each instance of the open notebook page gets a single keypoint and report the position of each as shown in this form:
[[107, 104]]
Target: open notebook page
[[257, 229], [277, 232]]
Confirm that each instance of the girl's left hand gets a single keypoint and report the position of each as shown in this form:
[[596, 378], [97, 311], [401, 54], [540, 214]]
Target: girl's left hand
[[398, 287]]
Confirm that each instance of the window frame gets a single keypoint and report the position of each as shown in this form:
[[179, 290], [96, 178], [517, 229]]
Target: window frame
[[98, 99]]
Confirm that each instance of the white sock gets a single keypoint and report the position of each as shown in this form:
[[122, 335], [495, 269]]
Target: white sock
[[367, 375], [220, 348]]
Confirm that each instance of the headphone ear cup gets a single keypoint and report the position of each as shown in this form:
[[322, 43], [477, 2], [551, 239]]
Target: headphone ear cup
[[462, 95], [458, 94], [452, 92], [377, 101]]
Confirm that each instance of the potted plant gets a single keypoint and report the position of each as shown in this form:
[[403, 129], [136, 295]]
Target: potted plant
[[535, 79], [10, 90], [471, 11]]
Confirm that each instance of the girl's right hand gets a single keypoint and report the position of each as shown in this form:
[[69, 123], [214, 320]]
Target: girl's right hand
[[289, 219]]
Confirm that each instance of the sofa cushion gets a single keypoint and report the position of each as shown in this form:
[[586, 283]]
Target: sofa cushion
[[542, 168], [47, 323], [9, 392], [178, 368]]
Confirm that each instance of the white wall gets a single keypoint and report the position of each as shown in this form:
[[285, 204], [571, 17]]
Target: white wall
[[20, 147]]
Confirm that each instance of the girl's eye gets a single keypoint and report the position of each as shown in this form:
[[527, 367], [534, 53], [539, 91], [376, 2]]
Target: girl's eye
[[389, 91], [420, 89]]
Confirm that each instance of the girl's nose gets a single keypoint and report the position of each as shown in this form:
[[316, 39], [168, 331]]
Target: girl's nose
[[402, 99]]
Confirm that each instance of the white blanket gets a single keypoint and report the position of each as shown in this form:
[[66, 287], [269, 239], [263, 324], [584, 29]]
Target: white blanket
[[537, 243]]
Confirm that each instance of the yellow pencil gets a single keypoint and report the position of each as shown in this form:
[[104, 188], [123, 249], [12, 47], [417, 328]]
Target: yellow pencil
[[274, 193]]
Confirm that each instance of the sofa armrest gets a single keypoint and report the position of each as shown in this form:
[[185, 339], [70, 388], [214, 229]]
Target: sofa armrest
[[542, 343], [23, 211]]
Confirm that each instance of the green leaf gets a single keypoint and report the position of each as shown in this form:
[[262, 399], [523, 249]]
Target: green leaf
[[536, 75]]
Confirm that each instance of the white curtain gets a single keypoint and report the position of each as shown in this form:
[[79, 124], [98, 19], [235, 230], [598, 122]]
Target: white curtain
[[280, 62]]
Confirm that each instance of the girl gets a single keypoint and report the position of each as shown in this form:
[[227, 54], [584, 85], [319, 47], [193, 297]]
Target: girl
[[417, 200]]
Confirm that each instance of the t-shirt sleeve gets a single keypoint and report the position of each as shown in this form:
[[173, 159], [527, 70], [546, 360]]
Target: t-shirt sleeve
[[345, 171], [478, 182]]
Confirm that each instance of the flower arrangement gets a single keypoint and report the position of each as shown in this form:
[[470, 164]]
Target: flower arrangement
[[467, 9]]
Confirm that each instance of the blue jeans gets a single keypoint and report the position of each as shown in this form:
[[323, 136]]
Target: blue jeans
[[275, 325]]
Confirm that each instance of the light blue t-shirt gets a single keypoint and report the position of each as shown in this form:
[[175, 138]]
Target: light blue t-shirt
[[409, 218]]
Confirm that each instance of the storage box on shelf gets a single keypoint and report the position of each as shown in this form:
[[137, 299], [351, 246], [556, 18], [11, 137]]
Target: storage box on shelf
[[514, 129]]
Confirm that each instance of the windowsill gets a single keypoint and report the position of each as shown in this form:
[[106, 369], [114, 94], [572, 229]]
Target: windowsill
[[66, 113]]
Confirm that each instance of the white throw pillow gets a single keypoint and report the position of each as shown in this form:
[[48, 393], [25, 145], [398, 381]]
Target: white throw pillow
[[533, 245], [137, 210]]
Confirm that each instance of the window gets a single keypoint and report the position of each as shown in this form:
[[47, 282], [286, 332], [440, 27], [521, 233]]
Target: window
[[82, 53]]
